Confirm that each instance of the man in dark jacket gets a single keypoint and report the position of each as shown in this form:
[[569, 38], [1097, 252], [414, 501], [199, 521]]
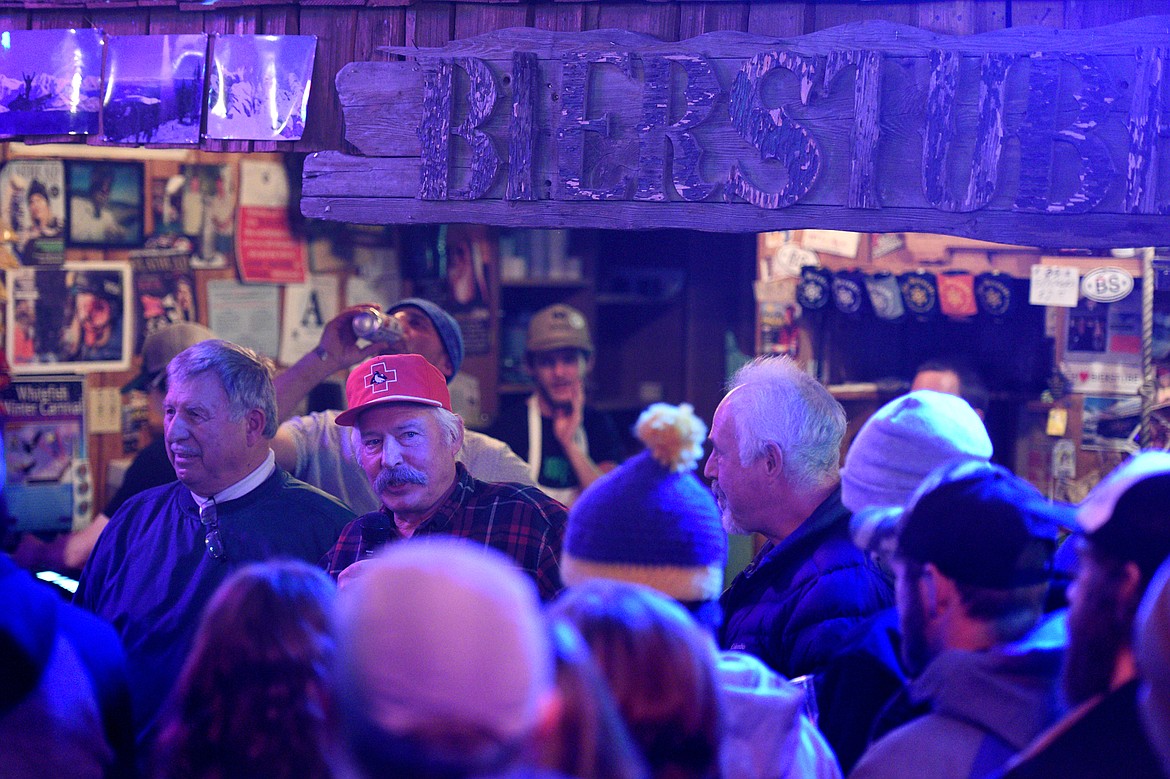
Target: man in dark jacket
[[167, 549], [896, 448], [1125, 523], [775, 446], [974, 555]]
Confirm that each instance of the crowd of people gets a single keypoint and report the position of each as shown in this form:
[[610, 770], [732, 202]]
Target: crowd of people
[[378, 591]]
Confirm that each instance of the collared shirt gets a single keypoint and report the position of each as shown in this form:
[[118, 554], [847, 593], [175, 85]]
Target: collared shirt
[[522, 522], [243, 486]]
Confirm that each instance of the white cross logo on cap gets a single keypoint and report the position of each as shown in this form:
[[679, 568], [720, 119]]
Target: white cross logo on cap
[[380, 379]]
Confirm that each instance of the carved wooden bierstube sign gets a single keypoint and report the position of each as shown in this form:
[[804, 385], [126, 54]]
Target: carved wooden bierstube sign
[[1044, 137]]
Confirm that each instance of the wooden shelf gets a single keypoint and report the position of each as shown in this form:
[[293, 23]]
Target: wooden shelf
[[544, 284], [515, 389], [612, 299]]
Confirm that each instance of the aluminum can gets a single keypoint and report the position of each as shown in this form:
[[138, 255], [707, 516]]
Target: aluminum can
[[373, 325]]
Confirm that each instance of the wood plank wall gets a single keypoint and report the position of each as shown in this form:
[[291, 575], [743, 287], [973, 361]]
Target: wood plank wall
[[352, 30]]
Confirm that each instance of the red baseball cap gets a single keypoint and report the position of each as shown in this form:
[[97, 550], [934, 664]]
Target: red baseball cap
[[393, 378]]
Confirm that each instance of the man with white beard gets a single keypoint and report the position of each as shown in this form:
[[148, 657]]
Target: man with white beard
[[775, 446]]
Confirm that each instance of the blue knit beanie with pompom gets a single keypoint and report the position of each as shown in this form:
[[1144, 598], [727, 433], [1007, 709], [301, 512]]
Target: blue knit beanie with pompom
[[652, 521]]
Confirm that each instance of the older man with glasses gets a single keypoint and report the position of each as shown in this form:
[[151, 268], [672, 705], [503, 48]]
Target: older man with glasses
[[167, 549]]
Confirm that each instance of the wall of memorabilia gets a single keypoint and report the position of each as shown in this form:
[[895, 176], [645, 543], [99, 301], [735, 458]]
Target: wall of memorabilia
[[99, 247]]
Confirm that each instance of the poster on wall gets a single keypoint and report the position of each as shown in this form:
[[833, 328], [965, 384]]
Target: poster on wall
[[71, 319], [164, 290], [246, 314], [1111, 423], [44, 451], [153, 88], [32, 210], [105, 203], [266, 249], [207, 211], [1103, 346], [259, 87], [50, 82], [307, 307]]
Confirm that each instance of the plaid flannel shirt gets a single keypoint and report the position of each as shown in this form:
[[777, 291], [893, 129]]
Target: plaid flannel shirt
[[522, 522]]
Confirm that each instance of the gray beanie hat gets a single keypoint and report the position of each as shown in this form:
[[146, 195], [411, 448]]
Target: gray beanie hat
[[898, 447]]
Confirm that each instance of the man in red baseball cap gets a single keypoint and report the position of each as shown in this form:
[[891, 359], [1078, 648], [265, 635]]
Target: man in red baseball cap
[[406, 438]]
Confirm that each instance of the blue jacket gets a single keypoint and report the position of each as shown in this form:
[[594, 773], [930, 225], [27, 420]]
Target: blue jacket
[[64, 694], [795, 603]]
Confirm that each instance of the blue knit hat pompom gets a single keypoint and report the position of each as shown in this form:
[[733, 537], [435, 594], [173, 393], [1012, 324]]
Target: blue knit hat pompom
[[652, 521], [673, 434]]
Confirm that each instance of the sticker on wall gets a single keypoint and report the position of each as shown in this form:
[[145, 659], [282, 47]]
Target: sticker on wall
[[153, 88], [50, 82], [259, 88], [1106, 285], [32, 211]]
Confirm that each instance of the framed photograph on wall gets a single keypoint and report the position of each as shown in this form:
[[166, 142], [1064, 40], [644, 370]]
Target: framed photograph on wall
[[73, 318], [106, 203]]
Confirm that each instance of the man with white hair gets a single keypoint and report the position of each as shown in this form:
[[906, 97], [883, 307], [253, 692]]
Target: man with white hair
[[445, 667], [315, 449], [775, 446], [407, 438]]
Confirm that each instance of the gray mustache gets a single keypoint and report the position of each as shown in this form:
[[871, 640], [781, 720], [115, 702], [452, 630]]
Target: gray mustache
[[397, 476]]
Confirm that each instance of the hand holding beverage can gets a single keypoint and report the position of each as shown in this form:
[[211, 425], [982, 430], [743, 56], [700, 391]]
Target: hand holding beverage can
[[373, 325]]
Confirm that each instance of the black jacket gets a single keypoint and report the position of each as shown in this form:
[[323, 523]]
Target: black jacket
[[795, 603]]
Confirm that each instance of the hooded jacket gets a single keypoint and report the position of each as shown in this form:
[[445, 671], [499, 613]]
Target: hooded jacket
[[766, 733], [984, 707]]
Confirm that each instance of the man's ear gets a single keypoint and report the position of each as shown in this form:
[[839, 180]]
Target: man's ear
[[546, 735], [459, 435], [445, 367], [773, 459], [939, 592], [255, 420], [1129, 589]]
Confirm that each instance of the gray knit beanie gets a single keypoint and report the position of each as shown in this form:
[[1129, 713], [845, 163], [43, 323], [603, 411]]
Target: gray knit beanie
[[897, 448]]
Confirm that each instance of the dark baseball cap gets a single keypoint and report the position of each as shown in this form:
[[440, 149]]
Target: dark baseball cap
[[161, 346], [979, 524], [1127, 515]]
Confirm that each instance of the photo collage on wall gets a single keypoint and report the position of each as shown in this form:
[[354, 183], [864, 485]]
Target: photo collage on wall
[[151, 90]]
